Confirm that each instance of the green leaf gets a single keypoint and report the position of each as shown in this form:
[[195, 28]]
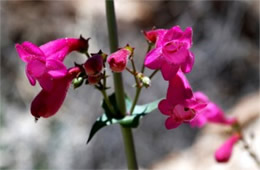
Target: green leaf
[[130, 121], [101, 122], [146, 108], [109, 114]]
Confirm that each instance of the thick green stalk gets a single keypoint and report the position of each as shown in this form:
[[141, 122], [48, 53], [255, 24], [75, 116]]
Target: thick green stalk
[[129, 148], [119, 88], [113, 42]]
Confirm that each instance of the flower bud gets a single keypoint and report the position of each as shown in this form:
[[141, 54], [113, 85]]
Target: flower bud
[[94, 79], [153, 35], [77, 82], [223, 153], [118, 60], [94, 65], [146, 81]]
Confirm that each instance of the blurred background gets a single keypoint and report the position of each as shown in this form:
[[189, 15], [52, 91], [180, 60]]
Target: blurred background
[[225, 44]]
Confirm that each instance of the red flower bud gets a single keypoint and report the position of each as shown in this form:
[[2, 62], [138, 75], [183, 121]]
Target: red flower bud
[[93, 79], [154, 35], [94, 65], [118, 60]]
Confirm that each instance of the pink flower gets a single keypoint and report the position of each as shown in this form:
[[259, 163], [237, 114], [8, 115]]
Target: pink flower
[[171, 51], [47, 103], [44, 63], [180, 104], [211, 113], [223, 153], [118, 60], [94, 65]]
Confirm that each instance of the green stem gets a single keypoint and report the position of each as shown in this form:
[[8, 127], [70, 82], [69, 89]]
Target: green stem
[[118, 84], [103, 91], [153, 73], [135, 74], [113, 42], [137, 93], [129, 148]]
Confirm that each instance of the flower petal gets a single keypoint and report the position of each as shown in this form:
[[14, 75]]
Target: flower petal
[[55, 68], [200, 96], [30, 78], [171, 123], [216, 115], [169, 71], [47, 103], [183, 113], [187, 65], [198, 121], [153, 59], [173, 34], [175, 54], [159, 40], [179, 89], [165, 107], [35, 68], [187, 36], [28, 50], [46, 82], [59, 48]]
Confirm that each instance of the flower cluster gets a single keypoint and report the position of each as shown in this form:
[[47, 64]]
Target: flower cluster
[[173, 57], [44, 64]]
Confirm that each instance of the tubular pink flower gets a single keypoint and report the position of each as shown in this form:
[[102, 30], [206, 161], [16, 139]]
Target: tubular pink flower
[[171, 51], [47, 103], [44, 63], [180, 104], [223, 153], [211, 113], [118, 60]]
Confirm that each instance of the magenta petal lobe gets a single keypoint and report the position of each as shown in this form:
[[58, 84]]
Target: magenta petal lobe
[[170, 123], [30, 78], [35, 68], [56, 68], [169, 71], [153, 59], [188, 64], [165, 107]]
